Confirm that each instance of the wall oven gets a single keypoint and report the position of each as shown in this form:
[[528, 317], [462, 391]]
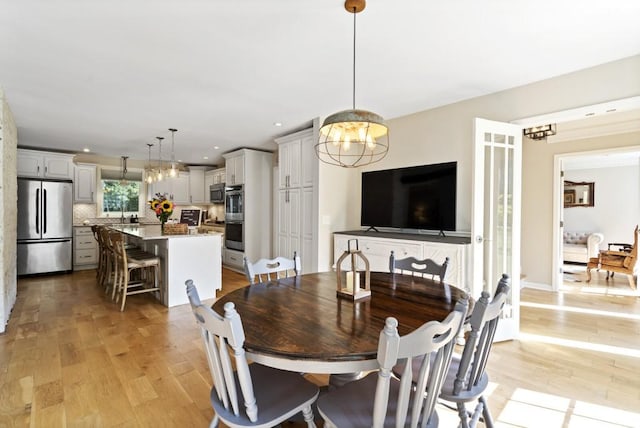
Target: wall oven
[[234, 204], [234, 235]]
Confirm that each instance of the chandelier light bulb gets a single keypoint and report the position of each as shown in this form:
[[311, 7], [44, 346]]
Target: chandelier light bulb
[[347, 143]]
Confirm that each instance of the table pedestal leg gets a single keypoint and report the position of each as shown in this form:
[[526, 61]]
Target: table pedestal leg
[[336, 380]]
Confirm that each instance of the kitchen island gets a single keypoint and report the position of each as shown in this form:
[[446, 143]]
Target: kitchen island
[[193, 256]]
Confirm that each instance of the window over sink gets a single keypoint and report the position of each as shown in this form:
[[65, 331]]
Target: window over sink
[[118, 197]]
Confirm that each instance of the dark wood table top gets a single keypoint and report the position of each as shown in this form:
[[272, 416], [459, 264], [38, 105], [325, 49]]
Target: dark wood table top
[[301, 318]]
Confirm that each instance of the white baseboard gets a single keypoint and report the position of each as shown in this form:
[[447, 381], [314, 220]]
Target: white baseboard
[[536, 286]]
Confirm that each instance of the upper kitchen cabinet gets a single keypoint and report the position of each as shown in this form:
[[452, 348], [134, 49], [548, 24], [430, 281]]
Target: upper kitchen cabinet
[[296, 160], [219, 176], [34, 163], [198, 193], [214, 176], [234, 167], [84, 183], [176, 189]]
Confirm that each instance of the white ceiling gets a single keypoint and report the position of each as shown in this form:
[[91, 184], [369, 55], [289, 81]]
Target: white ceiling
[[112, 75]]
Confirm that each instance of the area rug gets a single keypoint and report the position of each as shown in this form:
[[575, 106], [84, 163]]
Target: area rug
[[574, 273]]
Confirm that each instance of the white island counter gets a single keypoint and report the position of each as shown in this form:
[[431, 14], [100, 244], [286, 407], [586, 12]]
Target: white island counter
[[197, 257]]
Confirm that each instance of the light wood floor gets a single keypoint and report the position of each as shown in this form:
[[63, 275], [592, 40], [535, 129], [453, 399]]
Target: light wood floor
[[70, 358]]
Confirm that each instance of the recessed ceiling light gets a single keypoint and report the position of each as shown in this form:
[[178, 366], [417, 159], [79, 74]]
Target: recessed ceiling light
[[205, 157], [216, 147], [277, 123], [86, 150]]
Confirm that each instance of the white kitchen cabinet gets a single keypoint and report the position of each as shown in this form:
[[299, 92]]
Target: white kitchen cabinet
[[176, 189], [85, 248], [180, 188], [289, 164], [34, 163], [234, 259], [197, 193], [235, 168], [209, 180], [213, 176], [289, 234], [84, 183], [219, 176], [296, 215], [377, 249]]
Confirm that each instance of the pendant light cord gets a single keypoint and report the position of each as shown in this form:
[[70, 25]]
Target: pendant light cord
[[354, 58]]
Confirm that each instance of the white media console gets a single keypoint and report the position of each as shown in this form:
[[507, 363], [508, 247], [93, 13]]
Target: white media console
[[377, 246]]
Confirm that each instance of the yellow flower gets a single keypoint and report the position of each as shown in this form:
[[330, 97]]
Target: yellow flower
[[167, 206]]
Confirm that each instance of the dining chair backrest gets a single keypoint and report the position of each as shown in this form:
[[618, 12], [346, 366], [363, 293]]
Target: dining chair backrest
[[219, 335], [483, 323], [432, 344], [267, 269], [413, 266]]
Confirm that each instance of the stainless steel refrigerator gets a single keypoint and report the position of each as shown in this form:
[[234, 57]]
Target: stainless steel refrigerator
[[45, 226]]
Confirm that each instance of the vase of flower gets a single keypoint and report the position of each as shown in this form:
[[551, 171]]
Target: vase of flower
[[163, 208]]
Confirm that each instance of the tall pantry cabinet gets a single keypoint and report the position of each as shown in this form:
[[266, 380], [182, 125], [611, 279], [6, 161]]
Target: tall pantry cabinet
[[296, 208]]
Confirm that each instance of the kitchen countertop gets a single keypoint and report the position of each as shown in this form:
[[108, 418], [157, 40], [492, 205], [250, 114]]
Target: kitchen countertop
[[146, 232]]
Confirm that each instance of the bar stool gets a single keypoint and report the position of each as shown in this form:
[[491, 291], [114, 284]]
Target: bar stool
[[128, 262], [108, 259], [95, 229]]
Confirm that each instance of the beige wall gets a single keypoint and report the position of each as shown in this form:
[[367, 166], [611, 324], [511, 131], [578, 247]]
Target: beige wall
[[446, 134], [8, 211]]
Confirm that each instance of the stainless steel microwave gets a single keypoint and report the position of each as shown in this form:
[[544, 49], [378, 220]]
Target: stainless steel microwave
[[216, 193]]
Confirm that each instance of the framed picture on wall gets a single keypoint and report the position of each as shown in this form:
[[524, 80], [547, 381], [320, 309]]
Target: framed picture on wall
[[578, 194], [569, 197]]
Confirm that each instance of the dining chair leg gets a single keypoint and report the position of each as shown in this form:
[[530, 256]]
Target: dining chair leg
[[307, 412], [486, 413], [215, 421], [463, 415]]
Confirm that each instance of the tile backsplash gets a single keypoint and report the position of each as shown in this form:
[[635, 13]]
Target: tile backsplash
[[82, 212]]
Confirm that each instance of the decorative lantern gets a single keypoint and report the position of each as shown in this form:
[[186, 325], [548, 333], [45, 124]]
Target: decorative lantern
[[352, 289]]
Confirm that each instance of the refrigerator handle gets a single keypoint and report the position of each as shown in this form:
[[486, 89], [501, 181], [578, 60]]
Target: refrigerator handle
[[44, 211], [37, 210]]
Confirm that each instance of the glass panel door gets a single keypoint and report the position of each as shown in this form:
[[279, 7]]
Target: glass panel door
[[496, 216]]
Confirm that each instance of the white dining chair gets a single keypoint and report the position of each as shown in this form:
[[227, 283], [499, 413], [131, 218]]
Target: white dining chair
[[467, 380], [413, 266], [379, 399], [268, 269], [252, 395]]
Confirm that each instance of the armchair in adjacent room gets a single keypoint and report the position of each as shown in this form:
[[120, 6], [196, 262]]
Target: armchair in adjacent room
[[617, 261]]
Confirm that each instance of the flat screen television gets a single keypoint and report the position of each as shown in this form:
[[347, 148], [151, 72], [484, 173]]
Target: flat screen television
[[419, 197]]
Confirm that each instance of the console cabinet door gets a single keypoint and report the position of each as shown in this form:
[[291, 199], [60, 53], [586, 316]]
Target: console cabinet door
[[456, 274], [377, 251]]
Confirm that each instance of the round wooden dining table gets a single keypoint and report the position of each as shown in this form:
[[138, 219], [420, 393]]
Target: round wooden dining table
[[299, 324]]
